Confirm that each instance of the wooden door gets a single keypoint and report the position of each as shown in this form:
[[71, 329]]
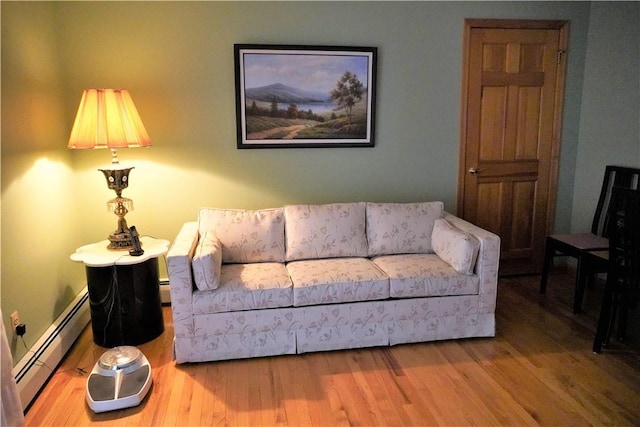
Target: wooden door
[[513, 80]]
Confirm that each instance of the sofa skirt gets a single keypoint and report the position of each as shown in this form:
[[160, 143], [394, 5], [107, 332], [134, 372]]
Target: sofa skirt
[[290, 330]]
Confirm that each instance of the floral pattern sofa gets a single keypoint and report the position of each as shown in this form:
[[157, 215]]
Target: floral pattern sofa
[[302, 278]]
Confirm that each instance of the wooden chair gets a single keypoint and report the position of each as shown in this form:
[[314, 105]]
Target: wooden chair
[[622, 288], [577, 245]]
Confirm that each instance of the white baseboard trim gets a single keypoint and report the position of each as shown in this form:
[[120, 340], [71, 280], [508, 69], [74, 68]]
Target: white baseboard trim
[[31, 373]]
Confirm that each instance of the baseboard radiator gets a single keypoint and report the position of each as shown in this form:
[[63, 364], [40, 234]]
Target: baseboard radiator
[[165, 297], [35, 368]]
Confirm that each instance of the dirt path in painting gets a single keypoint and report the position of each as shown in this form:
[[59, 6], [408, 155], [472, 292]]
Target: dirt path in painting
[[265, 134]]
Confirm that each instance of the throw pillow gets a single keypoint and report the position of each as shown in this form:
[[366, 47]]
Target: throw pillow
[[207, 262], [455, 247]]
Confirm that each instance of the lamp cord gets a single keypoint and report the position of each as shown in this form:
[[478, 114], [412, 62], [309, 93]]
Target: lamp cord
[[114, 294]]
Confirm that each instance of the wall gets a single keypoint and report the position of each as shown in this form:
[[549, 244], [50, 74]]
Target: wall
[[610, 111], [176, 59], [39, 205]]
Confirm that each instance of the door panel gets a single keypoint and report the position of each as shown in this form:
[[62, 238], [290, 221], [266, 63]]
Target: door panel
[[492, 119], [512, 98], [528, 123]]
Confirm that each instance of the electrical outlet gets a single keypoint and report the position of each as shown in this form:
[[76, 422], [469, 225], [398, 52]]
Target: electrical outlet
[[15, 321]]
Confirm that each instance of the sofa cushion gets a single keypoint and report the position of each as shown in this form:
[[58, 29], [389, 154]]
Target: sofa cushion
[[247, 287], [338, 280], [424, 275], [456, 247], [325, 231], [401, 228], [246, 235], [206, 262]]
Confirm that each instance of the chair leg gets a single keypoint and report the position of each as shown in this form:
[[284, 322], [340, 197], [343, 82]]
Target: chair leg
[[604, 321], [613, 317], [548, 256], [590, 280], [623, 312], [579, 287]]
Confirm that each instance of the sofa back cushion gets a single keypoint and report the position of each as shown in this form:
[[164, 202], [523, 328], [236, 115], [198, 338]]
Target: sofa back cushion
[[325, 231], [246, 235], [401, 228]]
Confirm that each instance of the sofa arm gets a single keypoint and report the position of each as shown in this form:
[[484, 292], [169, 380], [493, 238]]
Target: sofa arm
[[487, 264], [181, 278]]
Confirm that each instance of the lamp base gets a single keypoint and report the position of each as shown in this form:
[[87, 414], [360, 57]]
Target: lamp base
[[118, 180], [120, 241]]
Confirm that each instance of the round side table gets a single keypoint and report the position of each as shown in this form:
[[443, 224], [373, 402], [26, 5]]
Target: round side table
[[124, 292]]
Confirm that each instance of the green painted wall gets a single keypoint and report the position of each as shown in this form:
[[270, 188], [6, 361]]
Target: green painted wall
[[176, 59], [40, 210], [610, 118]]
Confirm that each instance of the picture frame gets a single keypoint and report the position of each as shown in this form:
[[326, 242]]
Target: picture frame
[[293, 96]]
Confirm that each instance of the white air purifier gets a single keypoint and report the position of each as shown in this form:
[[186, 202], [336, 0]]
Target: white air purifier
[[120, 379]]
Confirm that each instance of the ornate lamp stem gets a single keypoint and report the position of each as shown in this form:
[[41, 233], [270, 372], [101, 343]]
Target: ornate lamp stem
[[118, 180]]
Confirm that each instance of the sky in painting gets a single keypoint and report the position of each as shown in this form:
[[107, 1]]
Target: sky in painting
[[301, 69]]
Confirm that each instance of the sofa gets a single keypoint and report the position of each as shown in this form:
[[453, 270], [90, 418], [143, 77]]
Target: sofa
[[305, 278]]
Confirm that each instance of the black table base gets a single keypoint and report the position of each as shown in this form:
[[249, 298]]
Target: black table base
[[125, 303]]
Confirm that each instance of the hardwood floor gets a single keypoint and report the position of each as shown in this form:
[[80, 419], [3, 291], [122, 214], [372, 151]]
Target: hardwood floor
[[538, 370]]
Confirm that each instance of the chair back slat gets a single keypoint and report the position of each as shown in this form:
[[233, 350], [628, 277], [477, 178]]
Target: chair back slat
[[622, 289], [624, 240], [618, 176]]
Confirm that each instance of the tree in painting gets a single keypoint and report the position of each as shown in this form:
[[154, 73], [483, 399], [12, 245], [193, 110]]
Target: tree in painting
[[348, 92]]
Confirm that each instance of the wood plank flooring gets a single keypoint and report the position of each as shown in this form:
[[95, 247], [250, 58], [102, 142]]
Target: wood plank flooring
[[538, 370]]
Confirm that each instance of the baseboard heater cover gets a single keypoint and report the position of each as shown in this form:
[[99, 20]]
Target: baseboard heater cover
[[165, 296], [35, 368]]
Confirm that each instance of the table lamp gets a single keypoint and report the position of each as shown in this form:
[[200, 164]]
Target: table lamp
[[107, 118]]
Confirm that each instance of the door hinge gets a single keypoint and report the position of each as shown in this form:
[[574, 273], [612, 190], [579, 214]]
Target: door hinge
[[560, 53]]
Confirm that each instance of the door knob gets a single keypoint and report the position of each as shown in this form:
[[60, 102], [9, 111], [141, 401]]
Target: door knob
[[473, 171]]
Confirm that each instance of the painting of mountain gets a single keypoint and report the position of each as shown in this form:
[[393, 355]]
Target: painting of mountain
[[282, 93], [304, 96]]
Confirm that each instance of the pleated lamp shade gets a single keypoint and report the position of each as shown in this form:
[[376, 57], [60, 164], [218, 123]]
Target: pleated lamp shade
[[107, 118]]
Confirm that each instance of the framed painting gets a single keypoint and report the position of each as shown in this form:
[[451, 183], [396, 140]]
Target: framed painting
[[305, 96]]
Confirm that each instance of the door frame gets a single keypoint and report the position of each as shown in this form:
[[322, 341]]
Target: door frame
[[563, 27]]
